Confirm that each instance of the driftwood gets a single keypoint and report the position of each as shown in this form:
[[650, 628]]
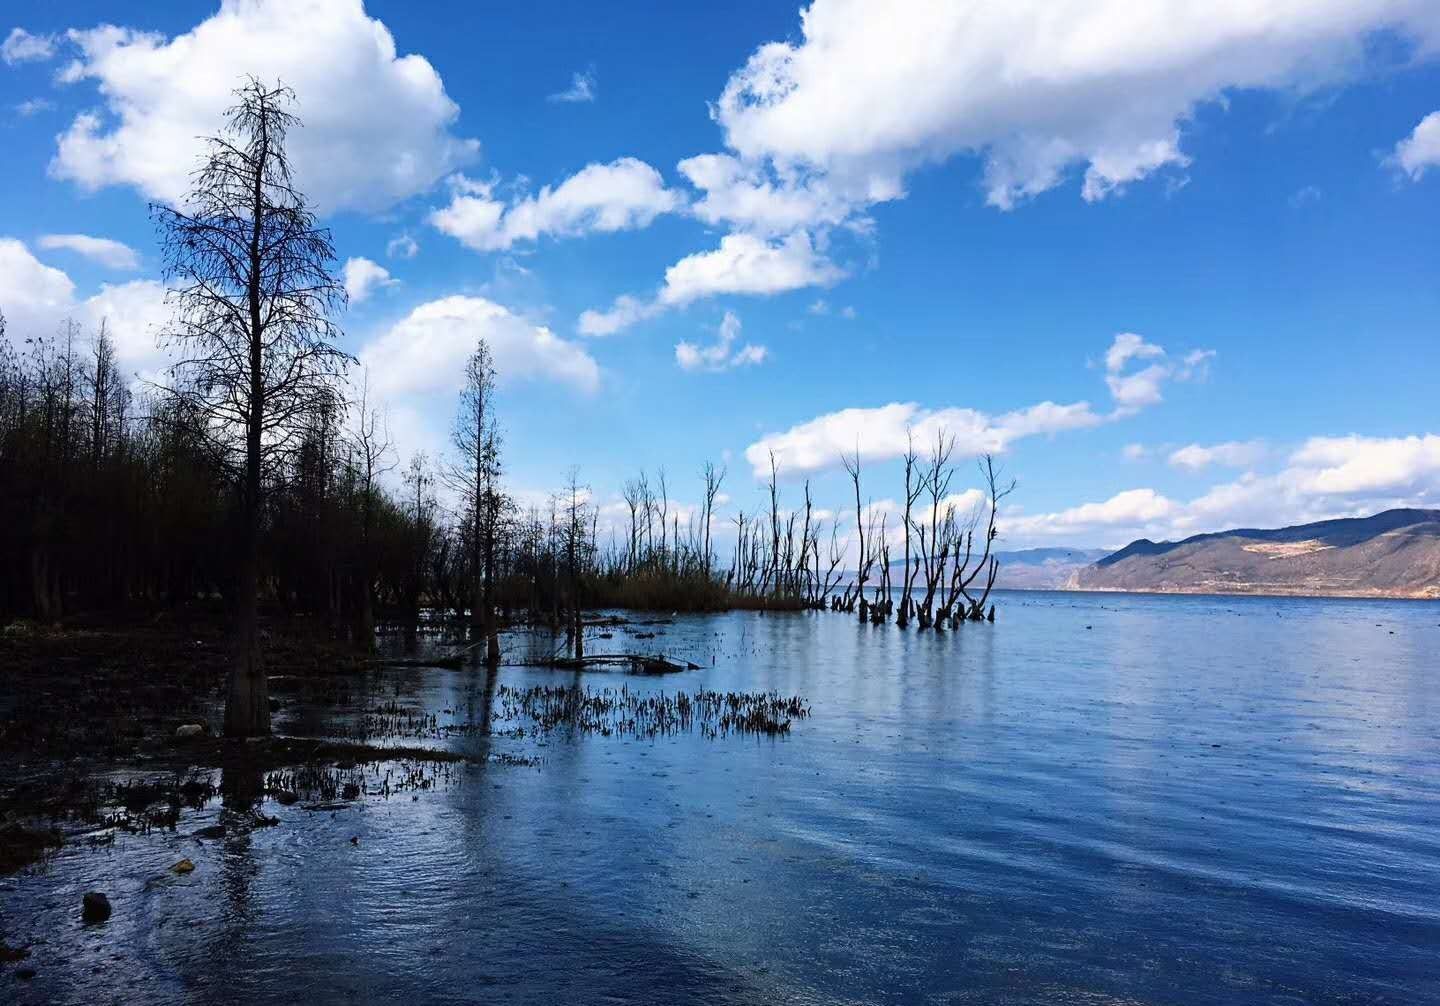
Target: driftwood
[[453, 661], [637, 663]]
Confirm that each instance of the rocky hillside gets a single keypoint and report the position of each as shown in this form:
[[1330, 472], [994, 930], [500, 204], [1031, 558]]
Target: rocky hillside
[[1392, 554]]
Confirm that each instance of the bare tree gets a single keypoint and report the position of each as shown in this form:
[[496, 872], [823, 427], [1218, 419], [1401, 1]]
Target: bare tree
[[914, 486], [713, 480], [254, 290], [474, 478], [373, 456], [852, 466]]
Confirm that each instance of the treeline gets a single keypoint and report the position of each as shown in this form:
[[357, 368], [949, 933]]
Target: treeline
[[113, 499]]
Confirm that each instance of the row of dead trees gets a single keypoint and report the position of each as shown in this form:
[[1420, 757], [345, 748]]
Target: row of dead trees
[[947, 546]]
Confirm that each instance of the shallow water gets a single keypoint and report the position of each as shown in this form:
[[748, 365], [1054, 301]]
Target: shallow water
[[1099, 798]]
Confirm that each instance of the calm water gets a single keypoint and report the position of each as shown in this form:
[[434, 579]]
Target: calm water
[[1099, 799]]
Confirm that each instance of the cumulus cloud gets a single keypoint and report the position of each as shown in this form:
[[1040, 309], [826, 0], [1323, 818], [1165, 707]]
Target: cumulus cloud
[[426, 350], [743, 264], [135, 316], [1355, 465], [34, 297], [626, 311], [748, 265], [1231, 454], [884, 432], [109, 253], [1135, 389], [362, 277], [1323, 478], [377, 124], [744, 195], [22, 47], [722, 354], [625, 194], [1131, 508], [1419, 151], [869, 92], [37, 299], [582, 89]]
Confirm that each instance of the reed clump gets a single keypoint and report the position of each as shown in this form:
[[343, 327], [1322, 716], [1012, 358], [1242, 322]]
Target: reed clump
[[623, 712]]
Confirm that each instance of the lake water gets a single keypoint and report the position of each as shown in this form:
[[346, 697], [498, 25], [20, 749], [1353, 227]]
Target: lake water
[[1098, 799]]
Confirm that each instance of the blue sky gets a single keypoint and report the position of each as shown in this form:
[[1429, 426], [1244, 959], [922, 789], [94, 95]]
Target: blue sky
[[1176, 266]]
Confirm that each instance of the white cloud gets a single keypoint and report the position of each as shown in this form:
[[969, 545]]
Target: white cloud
[[1128, 509], [743, 264], [1232, 454], [582, 89], [1036, 89], [1325, 477], [22, 47], [1137, 389], [1355, 465], [377, 124], [135, 314], [1419, 151], [882, 433], [1306, 195], [749, 265], [626, 311], [402, 246], [722, 354], [426, 350], [625, 194], [1135, 452], [34, 297], [37, 299], [363, 276], [743, 195], [109, 253]]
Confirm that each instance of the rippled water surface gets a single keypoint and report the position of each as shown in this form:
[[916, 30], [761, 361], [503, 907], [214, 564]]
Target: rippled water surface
[[1097, 799]]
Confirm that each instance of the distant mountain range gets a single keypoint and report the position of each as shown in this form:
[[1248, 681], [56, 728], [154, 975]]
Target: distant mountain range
[[1392, 554], [1025, 569]]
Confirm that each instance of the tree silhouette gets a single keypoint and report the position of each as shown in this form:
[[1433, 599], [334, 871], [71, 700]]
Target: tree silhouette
[[254, 291]]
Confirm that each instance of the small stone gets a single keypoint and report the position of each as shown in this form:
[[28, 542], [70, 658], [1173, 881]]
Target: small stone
[[211, 831], [286, 797], [189, 731], [184, 866], [95, 907]]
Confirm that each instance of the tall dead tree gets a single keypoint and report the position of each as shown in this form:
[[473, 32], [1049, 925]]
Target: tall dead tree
[[475, 477], [914, 486], [372, 455], [852, 467], [713, 480], [254, 290]]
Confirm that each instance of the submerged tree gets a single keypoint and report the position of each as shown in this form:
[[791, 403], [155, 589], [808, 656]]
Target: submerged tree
[[475, 479], [254, 291]]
